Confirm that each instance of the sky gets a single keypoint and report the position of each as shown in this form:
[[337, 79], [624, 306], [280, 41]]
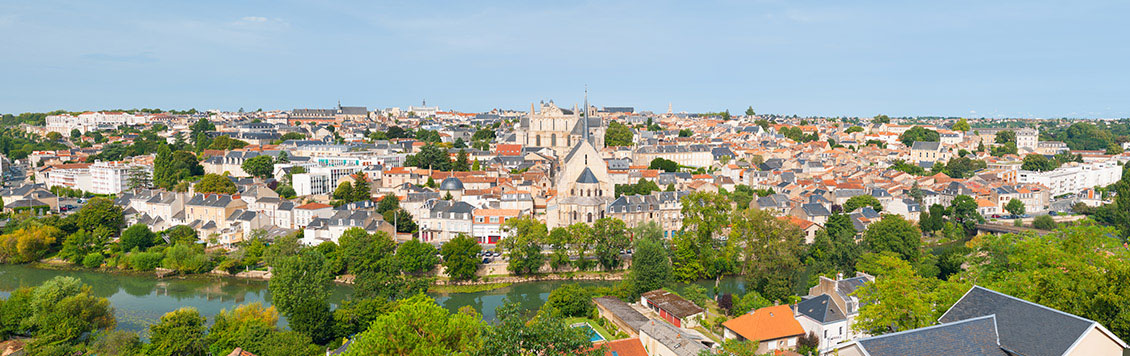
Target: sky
[[1025, 58]]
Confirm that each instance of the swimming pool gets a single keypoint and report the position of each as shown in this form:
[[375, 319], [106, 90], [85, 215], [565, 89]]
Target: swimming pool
[[593, 335]]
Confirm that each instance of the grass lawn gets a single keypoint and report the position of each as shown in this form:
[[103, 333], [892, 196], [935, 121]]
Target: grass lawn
[[595, 326], [468, 288]]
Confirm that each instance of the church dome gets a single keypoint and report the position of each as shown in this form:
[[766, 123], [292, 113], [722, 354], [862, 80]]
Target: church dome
[[451, 183]]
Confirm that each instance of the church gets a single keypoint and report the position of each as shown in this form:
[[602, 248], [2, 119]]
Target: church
[[558, 129], [584, 188]]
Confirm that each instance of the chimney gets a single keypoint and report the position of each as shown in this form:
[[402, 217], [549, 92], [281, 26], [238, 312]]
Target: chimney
[[839, 276]]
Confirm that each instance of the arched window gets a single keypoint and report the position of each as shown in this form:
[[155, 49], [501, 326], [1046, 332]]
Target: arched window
[[590, 217], [553, 140], [602, 214], [538, 141], [574, 215]]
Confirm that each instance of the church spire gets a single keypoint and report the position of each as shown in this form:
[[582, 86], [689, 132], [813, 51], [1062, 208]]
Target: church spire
[[586, 110]]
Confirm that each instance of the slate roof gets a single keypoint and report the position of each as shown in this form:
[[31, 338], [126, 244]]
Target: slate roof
[[821, 309], [815, 210], [973, 337], [587, 177], [623, 311], [1027, 328], [926, 145], [680, 342]]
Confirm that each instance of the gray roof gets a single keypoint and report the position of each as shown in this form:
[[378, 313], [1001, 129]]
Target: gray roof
[[623, 311], [926, 145], [587, 177], [1026, 328], [821, 309], [815, 210], [973, 337], [679, 341], [451, 183]]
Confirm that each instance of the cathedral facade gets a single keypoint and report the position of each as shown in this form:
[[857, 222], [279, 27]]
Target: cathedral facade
[[558, 129]]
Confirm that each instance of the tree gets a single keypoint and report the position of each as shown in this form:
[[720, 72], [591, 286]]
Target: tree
[[181, 234], [299, 289], [259, 166], [618, 134], [523, 245], [78, 244], [860, 201], [461, 257], [402, 219], [545, 334], [343, 192], [1015, 207], [1005, 136], [75, 134], [918, 134], [853, 129], [430, 156], [179, 332], [462, 163], [215, 183], [749, 111], [963, 210], [99, 212], [893, 233], [416, 258], [961, 125], [361, 190], [419, 326], [651, 268], [696, 246], [881, 119], [571, 300], [388, 203], [610, 238], [137, 236], [60, 311], [139, 178], [252, 328], [226, 143], [664, 165], [899, 299], [1037, 162], [750, 302], [768, 248]]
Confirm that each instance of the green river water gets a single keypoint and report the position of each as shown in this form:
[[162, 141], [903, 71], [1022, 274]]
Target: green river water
[[140, 300]]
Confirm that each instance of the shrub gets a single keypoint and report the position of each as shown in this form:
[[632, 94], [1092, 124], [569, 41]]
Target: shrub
[[93, 260]]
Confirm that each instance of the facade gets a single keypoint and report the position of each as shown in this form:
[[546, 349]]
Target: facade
[[584, 188], [774, 328], [557, 128], [1074, 179], [486, 227], [109, 177], [322, 180]]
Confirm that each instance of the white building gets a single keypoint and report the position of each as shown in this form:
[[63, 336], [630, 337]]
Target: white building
[[322, 180], [91, 121], [71, 175], [109, 177], [1074, 179]]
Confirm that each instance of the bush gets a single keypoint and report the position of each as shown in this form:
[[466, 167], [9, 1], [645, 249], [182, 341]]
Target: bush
[[93, 260], [1044, 222], [145, 261]]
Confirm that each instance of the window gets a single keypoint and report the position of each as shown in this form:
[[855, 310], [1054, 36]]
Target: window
[[825, 334], [590, 217]]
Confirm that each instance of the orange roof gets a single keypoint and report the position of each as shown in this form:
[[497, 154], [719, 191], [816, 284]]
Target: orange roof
[[314, 206], [982, 203], [767, 323], [497, 212], [803, 224], [623, 347]]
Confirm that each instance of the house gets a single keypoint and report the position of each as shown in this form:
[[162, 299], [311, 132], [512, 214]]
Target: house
[[486, 226], [922, 152], [622, 347], [986, 322], [775, 328], [839, 292], [821, 316], [673, 308], [305, 213], [808, 228], [620, 314], [813, 212], [663, 339]]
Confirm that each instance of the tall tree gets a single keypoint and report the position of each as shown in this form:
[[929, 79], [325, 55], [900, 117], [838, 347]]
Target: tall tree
[[215, 183], [461, 257], [610, 237], [419, 326], [523, 245], [178, 333], [299, 289], [895, 234], [259, 166], [545, 334], [651, 268], [768, 248]]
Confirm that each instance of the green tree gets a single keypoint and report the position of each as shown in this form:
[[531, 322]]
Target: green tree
[[299, 289], [99, 212], [178, 333], [430, 156], [768, 248], [651, 267], [226, 143], [1036, 162], [419, 326], [853, 129], [1005, 136], [899, 299], [215, 183], [343, 192], [253, 328], [571, 300], [416, 258], [523, 245], [462, 163], [544, 334], [461, 257], [77, 245], [893, 233], [860, 201], [138, 236], [750, 302], [1015, 207], [749, 111], [610, 237], [697, 245], [961, 125], [618, 134], [881, 119], [259, 166], [361, 190], [62, 310], [918, 134], [963, 211], [664, 164]]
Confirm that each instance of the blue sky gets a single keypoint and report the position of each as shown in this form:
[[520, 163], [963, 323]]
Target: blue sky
[[955, 58]]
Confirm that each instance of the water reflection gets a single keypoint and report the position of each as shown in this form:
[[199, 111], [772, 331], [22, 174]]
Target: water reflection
[[141, 299]]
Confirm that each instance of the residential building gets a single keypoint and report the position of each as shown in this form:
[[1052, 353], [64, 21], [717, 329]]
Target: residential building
[[673, 308], [774, 328]]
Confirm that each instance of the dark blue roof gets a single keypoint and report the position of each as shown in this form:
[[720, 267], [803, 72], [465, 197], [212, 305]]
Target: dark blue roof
[[973, 337], [587, 177]]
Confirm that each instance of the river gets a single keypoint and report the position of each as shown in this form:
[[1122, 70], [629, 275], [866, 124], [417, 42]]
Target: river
[[140, 300]]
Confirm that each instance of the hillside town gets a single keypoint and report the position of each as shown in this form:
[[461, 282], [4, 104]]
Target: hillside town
[[572, 192]]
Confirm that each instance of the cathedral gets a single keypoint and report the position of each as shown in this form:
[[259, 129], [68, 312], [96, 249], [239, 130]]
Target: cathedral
[[584, 188], [559, 129]]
